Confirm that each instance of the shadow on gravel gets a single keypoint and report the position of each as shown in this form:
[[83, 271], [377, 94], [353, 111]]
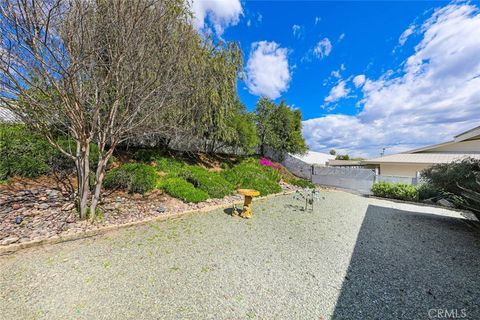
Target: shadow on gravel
[[410, 265]]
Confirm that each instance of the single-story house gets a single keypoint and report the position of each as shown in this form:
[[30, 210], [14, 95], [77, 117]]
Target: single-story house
[[410, 163]]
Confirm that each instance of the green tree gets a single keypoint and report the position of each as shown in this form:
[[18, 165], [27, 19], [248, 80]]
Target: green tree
[[333, 152], [279, 127], [243, 123], [264, 114], [342, 157]]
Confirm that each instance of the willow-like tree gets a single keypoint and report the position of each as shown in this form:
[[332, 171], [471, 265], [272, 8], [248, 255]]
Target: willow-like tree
[[279, 127], [95, 71]]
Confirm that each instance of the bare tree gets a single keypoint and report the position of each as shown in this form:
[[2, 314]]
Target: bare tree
[[95, 71]]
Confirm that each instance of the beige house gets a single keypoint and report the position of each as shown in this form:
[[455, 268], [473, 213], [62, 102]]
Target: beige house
[[410, 163]]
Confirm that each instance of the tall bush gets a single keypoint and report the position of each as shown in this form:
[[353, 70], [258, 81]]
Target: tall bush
[[400, 191], [459, 181]]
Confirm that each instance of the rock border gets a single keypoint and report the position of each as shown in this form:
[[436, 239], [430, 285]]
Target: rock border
[[15, 247]]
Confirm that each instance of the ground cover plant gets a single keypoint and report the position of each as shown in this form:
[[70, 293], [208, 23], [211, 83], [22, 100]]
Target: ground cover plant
[[181, 189], [250, 174], [213, 183]]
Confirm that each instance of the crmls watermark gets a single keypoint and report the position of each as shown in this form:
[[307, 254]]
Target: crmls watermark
[[442, 313]]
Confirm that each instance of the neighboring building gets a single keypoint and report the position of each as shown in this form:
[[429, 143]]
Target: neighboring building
[[316, 158], [345, 163], [410, 163]]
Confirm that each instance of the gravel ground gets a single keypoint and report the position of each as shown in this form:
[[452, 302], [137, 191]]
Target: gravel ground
[[351, 258]]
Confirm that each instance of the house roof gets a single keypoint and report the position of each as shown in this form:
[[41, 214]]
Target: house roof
[[467, 135], [312, 157], [421, 158], [344, 162], [8, 116]]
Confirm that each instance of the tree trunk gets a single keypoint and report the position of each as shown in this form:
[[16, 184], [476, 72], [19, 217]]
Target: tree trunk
[[83, 173], [99, 176]]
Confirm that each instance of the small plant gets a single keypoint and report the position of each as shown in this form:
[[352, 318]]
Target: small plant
[[181, 189], [211, 182], [134, 177], [400, 191], [265, 162]]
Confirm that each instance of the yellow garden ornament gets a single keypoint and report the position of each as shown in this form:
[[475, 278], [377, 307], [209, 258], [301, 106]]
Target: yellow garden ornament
[[249, 194]]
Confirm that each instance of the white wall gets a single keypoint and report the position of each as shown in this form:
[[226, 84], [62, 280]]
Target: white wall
[[402, 170]]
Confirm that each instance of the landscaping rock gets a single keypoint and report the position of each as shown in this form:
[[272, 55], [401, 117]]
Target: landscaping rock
[[445, 203], [44, 206], [68, 206], [9, 240]]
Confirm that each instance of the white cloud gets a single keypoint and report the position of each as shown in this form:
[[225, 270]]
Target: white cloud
[[341, 37], [407, 33], [336, 74], [267, 71], [323, 48], [317, 20], [435, 96], [221, 13], [337, 92], [359, 80], [298, 31]]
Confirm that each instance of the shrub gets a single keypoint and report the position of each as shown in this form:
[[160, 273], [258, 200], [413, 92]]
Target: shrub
[[134, 177], [447, 176], [25, 154], [179, 188], [22, 153], [400, 191], [427, 191], [145, 155], [170, 165], [211, 182], [457, 181], [251, 175]]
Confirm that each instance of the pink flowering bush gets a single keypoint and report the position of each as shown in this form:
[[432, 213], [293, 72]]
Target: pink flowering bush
[[265, 162]]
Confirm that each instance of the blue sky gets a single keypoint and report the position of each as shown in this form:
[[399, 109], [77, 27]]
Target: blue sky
[[366, 75]]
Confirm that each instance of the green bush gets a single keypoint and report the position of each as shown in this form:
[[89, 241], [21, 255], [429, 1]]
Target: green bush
[[170, 165], [22, 153], [457, 181], [181, 189], [145, 155], [400, 191], [212, 183], [302, 183], [251, 175], [134, 177], [26, 154], [427, 191]]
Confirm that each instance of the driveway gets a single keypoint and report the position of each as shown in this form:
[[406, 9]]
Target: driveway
[[350, 258]]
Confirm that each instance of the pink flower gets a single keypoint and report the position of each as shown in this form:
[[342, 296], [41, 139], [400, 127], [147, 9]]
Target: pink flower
[[266, 162]]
